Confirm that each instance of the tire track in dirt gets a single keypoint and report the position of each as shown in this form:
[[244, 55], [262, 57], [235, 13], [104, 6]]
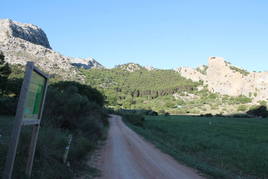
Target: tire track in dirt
[[126, 155]]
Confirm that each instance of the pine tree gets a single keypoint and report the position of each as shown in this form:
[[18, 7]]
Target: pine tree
[[5, 71]]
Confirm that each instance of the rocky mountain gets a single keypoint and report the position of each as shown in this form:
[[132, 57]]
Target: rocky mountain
[[131, 67], [26, 42], [28, 32], [222, 77], [87, 63]]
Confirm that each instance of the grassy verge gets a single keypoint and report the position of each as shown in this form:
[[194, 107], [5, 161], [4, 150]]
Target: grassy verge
[[71, 108], [219, 147], [48, 162]]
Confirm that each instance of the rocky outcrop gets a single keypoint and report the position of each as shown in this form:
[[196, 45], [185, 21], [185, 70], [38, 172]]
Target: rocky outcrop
[[224, 78], [28, 32], [131, 67], [87, 63], [191, 73], [25, 42], [150, 68], [18, 51]]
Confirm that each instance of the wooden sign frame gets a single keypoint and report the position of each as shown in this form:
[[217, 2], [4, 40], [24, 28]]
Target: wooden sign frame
[[20, 121]]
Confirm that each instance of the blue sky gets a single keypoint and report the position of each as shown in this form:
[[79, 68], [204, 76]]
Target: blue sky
[[164, 34]]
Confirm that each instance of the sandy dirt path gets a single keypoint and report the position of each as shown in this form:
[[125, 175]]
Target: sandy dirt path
[[126, 155]]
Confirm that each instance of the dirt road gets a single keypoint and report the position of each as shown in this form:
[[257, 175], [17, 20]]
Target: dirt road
[[126, 155]]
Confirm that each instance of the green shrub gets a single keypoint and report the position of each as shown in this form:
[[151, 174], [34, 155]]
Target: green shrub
[[243, 99], [70, 108], [48, 156], [260, 111], [262, 103], [92, 94], [5, 71], [8, 105], [166, 114], [134, 119], [161, 111], [242, 108], [207, 115], [239, 70], [67, 107]]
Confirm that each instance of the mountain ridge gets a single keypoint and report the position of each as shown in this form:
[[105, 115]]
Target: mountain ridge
[[222, 77], [26, 42]]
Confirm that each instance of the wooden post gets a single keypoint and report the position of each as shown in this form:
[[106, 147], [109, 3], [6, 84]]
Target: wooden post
[[18, 123], [67, 148], [31, 153]]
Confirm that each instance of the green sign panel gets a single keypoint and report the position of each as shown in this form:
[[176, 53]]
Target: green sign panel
[[34, 96], [29, 112]]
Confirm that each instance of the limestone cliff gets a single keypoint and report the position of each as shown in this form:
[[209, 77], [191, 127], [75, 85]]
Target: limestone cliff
[[87, 63], [131, 67], [28, 32], [224, 78], [26, 42]]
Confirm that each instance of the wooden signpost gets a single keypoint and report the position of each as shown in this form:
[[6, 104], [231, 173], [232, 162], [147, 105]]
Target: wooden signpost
[[29, 112]]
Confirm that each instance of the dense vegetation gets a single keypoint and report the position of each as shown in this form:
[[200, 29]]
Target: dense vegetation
[[123, 88], [161, 91], [258, 111], [217, 146], [70, 109], [138, 83]]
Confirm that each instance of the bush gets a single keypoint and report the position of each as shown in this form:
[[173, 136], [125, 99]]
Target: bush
[[242, 99], [50, 150], [152, 113], [68, 107], [260, 111], [262, 103], [134, 119], [208, 115], [240, 116], [92, 94], [242, 108], [48, 156], [161, 111], [219, 115], [8, 105], [166, 114]]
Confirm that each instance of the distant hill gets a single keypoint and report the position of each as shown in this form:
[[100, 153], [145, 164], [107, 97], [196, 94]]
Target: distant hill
[[218, 87], [222, 77], [132, 86], [26, 42]]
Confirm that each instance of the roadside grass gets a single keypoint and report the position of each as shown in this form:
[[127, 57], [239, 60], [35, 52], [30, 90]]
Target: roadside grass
[[5, 131], [48, 162], [218, 147]]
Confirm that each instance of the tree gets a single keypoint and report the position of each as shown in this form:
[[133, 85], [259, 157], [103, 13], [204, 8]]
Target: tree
[[5, 71], [260, 111]]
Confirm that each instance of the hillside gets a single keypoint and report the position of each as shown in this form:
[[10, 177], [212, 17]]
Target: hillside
[[222, 77], [218, 87], [26, 42], [131, 86]]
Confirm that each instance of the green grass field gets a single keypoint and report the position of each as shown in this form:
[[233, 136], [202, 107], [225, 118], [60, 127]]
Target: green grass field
[[219, 147]]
